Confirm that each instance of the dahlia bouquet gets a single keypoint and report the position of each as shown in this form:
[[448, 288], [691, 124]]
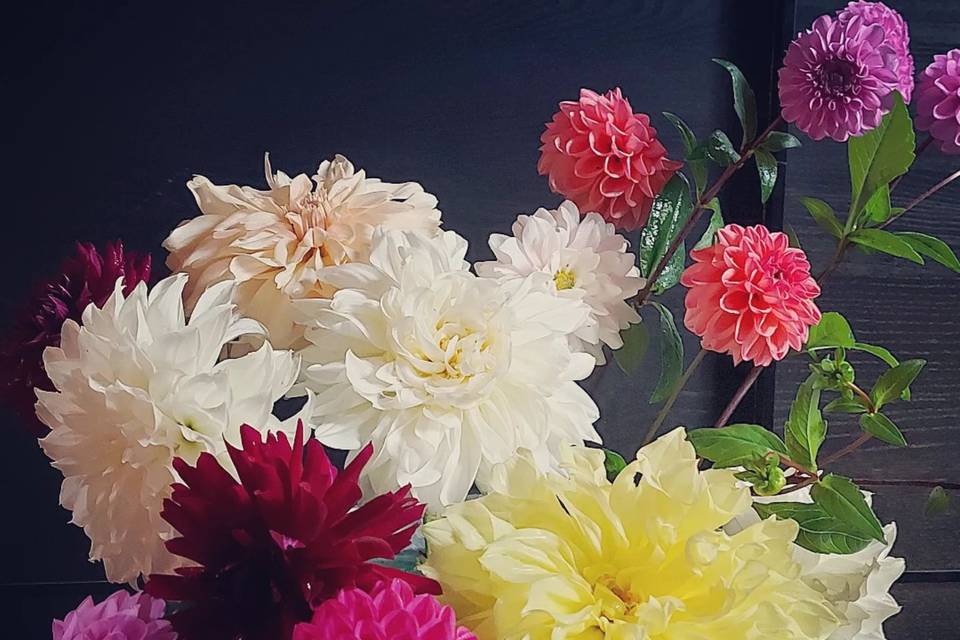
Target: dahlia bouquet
[[192, 416]]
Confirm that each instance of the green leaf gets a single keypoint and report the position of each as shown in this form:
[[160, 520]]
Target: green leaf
[[735, 445], [876, 351], [843, 500], [613, 463], [767, 168], [715, 224], [937, 502], [779, 141], [690, 148], [878, 206], [819, 532], [932, 247], [886, 242], [671, 355], [744, 101], [824, 215], [792, 235], [667, 216], [636, 339], [843, 405], [687, 136], [882, 428], [892, 382], [832, 331], [805, 428], [880, 155], [719, 149]]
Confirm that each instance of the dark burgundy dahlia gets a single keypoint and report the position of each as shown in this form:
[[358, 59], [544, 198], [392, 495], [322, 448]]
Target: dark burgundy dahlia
[[88, 276], [285, 538]]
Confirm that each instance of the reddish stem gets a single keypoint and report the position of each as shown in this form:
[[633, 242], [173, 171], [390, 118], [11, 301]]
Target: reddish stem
[[738, 396]]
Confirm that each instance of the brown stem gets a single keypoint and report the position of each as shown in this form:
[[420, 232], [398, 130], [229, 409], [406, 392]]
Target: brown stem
[[800, 485], [698, 209], [926, 194], [738, 396], [787, 462], [953, 486], [834, 261], [850, 448], [867, 400], [923, 147], [674, 394]]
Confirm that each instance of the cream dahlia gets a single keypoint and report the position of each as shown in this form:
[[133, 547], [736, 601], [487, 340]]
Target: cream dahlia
[[278, 244], [587, 261], [137, 385], [856, 585], [447, 373], [548, 556]]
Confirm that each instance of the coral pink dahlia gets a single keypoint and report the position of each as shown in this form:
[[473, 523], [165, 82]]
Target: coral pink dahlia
[[84, 278], [938, 104], [275, 545], [750, 295], [897, 37], [390, 611], [122, 616], [837, 78], [604, 157]]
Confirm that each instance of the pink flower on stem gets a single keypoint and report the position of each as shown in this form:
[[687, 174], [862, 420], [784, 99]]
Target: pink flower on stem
[[938, 102], [897, 37], [750, 295], [122, 616], [390, 611], [604, 157]]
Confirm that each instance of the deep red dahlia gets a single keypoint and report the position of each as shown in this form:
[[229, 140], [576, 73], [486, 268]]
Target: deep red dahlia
[[285, 538], [84, 278]]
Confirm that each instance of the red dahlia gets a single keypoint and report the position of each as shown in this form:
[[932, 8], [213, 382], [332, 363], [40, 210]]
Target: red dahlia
[[278, 543], [84, 278]]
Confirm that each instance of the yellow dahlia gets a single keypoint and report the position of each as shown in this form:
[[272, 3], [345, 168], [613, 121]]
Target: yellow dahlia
[[574, 556]]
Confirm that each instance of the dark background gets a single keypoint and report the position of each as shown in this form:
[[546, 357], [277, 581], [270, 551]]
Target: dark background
[[112, 107]]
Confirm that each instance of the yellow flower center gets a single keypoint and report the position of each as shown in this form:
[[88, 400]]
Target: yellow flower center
[[565, 279]]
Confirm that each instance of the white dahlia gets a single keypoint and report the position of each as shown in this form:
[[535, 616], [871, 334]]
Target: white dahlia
[[587, 261], [278, 244], [136, 386], [857, 585], [447, 373]]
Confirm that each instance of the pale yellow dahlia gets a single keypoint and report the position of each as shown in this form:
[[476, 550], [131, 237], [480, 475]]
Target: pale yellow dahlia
[[553, 557], [278, 244]]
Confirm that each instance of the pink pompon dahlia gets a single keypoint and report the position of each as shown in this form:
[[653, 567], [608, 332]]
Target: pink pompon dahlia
[[87, 277], [750, 295], [604, 157], [122, 616], [897, 37], [391, 611], [938, 104], [838, 78], [275, 545]]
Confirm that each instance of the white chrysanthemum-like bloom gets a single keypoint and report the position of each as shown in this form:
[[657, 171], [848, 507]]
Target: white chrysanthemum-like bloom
[[138, 385], [278, 244], [856, 585], [587, 261], [446, 373]]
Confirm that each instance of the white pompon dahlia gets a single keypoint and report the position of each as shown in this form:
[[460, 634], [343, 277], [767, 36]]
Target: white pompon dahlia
[[136, 386], [447, 373], [587, 261], [278, 244], [857, 586]]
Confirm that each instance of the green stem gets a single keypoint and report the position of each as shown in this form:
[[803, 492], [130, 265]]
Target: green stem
[[674, 394]]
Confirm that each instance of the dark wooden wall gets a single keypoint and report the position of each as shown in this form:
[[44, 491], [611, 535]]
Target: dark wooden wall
[[114, 106]]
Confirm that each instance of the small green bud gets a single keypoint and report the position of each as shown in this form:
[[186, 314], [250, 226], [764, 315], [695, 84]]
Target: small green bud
[[773, 482]]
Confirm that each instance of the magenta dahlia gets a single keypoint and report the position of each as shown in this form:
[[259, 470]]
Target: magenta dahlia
[[84, 278], [390, 611], [122, 616], [275, 545], [938, 101], [604, 157], [897, 37], [838, 78]]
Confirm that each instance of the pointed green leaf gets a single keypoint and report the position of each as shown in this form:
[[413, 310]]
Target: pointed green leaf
[[715, 224], [735, 445], [892, 382], [687, 136], [767, 168], [824, 215], [878, 352], [843, 405], [613, 463], [843, 500], [878, 206], [882, 428], [691, 151], [805, 428], [777, 141], [880, 155], [937, 502], [792, 235], [671, 355], [667, 216], [636, 339], [832, 331], [744, 102], [719, 149], [886, 242], [819, 532], [932, 247]]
